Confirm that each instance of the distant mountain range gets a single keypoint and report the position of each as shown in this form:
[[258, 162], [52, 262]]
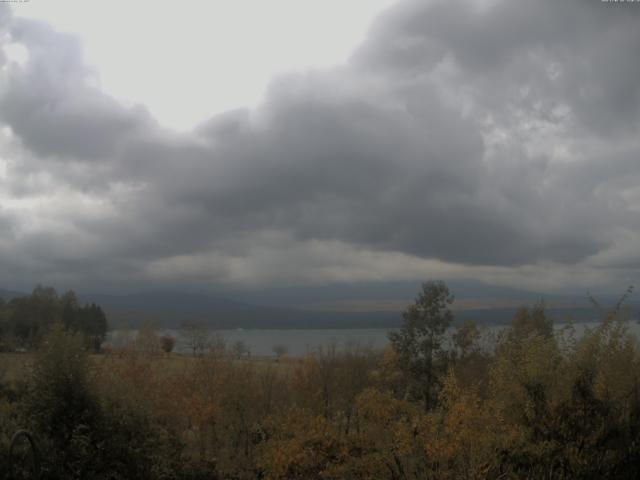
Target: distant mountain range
[[300, 309], [169, 309]]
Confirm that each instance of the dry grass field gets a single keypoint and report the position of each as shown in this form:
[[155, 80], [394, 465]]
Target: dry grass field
[[15, 367]]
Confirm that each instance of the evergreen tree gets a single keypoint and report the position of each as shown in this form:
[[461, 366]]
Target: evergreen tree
[[419, 341]]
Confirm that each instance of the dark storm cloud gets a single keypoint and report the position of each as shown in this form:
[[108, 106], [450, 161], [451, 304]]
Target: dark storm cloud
[[484, 135], [408, 179], [577, 52]]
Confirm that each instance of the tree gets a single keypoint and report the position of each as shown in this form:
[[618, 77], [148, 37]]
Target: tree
[[33, 315], [419, 341], [470, 358], [466, 338], [196, 336], [147, 339], [70, 306], [94, 325], [167, 342], [30, 317], [529, 321], [60, 404], [239, 349], [90, 320], [86, 428]]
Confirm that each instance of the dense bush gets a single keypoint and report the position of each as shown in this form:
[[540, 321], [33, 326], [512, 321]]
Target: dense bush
[[83, 435]]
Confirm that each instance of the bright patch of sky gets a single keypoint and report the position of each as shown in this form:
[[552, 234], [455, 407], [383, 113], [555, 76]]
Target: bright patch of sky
[[189, 60]]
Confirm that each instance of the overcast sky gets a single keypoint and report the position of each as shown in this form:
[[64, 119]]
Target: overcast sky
[[293, 142]]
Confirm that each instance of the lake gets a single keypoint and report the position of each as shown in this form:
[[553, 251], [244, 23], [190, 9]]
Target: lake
[[300, 342]]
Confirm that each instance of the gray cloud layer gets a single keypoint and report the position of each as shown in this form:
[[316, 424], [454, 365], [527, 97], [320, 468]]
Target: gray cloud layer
[[500, 137]]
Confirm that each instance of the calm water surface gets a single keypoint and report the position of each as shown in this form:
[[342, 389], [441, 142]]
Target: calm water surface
[[301, 342]]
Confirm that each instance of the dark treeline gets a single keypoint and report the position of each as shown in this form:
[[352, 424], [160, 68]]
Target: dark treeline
[[533, 402], [24, 320]]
